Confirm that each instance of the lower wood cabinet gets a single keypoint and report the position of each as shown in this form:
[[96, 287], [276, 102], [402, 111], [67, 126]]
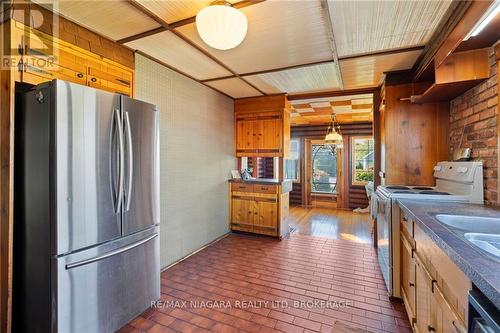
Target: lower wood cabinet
[[433, 288], [260, 209]]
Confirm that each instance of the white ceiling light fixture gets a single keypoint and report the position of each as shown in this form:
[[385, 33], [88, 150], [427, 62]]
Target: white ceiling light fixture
[[485, 20], [221, 26]]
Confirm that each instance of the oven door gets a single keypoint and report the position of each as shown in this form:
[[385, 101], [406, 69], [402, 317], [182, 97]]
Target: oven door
[[384, 236]]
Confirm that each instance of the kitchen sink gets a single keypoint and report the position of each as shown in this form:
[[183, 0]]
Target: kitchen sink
[[489, 243], [481, 232], [475, 224]]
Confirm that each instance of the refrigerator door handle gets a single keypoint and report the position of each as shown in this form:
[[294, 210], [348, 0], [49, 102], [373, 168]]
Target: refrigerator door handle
[[130, 161], [110, 254], [121, 161]]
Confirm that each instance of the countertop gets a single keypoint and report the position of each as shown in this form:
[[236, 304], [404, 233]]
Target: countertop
[[267, 181], [483, 271], [286, 185]]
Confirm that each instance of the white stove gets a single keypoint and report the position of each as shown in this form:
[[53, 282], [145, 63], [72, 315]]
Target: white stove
[[455, 181]]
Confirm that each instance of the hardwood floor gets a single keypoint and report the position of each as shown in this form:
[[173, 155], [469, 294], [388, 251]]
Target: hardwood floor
[[331, 223], [246, 283]]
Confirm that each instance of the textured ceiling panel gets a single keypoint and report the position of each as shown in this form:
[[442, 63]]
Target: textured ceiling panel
[[176, 10], [368, 26], [113, 19], [368, 71], [172, 50], [280, 34], [305, 79], [235, 87]]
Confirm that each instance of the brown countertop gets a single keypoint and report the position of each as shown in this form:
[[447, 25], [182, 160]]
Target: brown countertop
[[286, 184]]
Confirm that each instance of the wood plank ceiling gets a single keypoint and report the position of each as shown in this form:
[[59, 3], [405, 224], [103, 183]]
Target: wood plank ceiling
[[292, 47]]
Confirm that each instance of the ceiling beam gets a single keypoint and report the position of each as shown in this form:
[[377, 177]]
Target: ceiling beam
[[164, 24], [326, 12], [332, 93], [272, 70], [176, 24]]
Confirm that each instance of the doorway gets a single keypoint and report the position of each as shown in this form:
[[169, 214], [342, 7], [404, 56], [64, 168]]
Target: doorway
[[323, 162]]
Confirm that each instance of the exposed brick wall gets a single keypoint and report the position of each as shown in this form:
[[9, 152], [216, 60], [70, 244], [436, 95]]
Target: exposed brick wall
[[473, 123]]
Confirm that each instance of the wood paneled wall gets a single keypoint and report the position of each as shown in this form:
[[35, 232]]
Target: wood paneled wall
[[354, 196], [414, 137]]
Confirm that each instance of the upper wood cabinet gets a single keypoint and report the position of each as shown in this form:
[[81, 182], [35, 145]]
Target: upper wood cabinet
[[46, 58], [262, 126], [413, 137]]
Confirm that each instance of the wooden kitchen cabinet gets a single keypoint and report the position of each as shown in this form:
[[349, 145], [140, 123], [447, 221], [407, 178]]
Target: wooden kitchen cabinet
[[262, 127], [408, 278], [433, 288], [258, 208], [64, 61]]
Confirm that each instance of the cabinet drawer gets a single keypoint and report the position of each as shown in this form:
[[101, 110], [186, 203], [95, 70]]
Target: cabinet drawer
[[407, 228], [240, 187], [271, 189]]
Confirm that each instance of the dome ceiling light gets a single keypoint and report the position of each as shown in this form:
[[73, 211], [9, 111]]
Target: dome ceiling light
[[221, 26]]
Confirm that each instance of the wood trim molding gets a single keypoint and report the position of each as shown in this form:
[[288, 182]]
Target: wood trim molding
[[176, 24], [497, 51], [384, 52], [321, 62], [332, 93], [335, 56]]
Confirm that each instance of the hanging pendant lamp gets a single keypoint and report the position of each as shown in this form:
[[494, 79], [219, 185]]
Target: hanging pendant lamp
[[221, 26], [332, 135]]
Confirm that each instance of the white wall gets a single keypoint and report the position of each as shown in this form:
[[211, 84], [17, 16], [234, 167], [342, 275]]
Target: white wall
[[196, 156]]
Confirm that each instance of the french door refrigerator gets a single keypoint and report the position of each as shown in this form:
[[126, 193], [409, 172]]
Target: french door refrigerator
[[86, 210]]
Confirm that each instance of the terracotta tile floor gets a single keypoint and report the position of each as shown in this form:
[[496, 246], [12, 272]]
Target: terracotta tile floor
[[240, 273]]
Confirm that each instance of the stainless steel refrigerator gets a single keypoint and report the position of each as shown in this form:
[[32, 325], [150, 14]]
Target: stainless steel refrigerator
[[86, 209]]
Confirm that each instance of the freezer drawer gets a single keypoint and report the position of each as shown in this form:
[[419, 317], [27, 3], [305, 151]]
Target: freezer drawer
[[100, 290]]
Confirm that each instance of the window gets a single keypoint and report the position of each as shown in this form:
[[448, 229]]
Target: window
[[292, 165], [362, 160], [324, 168]]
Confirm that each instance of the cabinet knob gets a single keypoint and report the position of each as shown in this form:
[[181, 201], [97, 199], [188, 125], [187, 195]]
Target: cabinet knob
[[79, 75], [93, 79], [430, 328], [412, 284]]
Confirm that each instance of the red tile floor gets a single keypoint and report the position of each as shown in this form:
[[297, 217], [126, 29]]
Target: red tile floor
[[254, 284]]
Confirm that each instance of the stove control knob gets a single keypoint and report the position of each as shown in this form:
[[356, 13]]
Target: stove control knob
[[437, 168], [462, 170]]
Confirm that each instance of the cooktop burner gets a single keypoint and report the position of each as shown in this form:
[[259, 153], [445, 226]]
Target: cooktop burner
[[398, 188], [422, 188], [434, 193]]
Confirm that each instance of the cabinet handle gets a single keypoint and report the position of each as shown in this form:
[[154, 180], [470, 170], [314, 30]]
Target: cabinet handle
[[404, 219], [255, 213], [412, 284], [430, 328], [263, 188], [79, 75], [93, 79], [249, 212]]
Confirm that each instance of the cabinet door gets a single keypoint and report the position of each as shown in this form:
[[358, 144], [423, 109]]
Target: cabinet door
[[408, 277], [443, 317], [242, 213], [423, 289], [266, 220], [246, 134], [270, 135]]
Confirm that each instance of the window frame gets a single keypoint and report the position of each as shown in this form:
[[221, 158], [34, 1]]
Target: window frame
[[353, 158], [319, 193], [298, 159]]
